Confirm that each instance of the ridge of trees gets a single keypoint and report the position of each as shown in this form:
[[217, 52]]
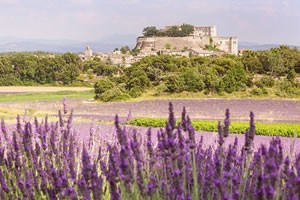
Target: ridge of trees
[[255, 72], [173, 31], [39, 68]]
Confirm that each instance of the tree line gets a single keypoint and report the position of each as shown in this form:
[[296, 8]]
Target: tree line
[[255, 72], [266, 72], [173, 31], [39, 68]]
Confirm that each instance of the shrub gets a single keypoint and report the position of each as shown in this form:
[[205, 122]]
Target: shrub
[[174, 84], [135, 92], [102, 86], [114, 94], [235, 79], [160, 89], [265, 81], [192, 80], [286, 88], [259, 91]]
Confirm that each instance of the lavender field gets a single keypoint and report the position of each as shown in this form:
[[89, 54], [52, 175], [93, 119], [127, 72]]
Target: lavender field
[[67, 158], [62, 160], [89, 114], [265, 110]]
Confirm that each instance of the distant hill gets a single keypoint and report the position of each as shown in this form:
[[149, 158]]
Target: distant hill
[[10, 44], [255, 46], [107, 44]]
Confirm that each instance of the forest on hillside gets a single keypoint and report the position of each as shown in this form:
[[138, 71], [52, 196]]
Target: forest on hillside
[[257, 73], [38, 68]]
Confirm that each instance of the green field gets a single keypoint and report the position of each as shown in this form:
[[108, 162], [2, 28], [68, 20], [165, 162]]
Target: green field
[[46, 96], [274, 129]]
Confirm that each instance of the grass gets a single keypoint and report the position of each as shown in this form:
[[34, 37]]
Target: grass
[[46, 96]]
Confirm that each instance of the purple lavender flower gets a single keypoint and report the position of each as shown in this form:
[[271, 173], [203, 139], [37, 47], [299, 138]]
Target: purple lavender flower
[[84, 189], [65, 105], [249, 135], [86, 165], [177, 184], [135, 147], [3, 182], [149, 144], [226, 123], [171, 120], [91, 138], [96, 184], [61, 120], [53, 138], [221, 134], [2, 160], [70, 119], [191, 133], [252, 126], [129, 116], [3, 129], [183, 119], [19, 125], [151, 186], [71, 193]]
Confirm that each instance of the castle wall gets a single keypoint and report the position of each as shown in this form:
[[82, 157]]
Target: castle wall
[[226, 44], [175, 43]]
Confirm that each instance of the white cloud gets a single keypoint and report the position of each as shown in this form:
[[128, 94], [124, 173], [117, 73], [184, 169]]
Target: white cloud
[[82, 2], [8, 2]]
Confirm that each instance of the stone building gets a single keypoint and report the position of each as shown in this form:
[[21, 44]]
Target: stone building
[[88, 53], [203, 38], [201, 31]]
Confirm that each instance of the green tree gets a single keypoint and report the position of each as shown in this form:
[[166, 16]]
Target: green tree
[[174, 84], [192, 80], [187, 29], [103, 85], [125, 49], [251, 62], [150, 31], [173, 31], [113, 94], [235, 79], [272, 63]]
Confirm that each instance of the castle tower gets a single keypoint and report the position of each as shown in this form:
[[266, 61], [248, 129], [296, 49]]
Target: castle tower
[[88, 52]]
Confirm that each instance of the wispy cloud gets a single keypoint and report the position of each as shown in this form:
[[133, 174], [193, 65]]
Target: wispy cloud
[[82, 2], [80, 19]]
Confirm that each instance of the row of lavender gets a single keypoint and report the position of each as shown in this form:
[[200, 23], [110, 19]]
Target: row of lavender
[[46, 161]]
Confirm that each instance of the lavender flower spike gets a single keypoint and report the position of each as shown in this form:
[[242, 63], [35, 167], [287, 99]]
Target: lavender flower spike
[[65, 105], [226, 123], [221, 134], [252, 126]]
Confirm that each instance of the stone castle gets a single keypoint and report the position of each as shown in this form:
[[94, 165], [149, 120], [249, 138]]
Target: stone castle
[[202, 42]]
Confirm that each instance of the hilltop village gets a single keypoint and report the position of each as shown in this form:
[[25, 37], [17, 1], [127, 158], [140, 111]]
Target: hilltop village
[[185, 40]]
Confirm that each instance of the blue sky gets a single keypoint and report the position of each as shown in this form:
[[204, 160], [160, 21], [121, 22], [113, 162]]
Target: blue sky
[[260, 21]]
